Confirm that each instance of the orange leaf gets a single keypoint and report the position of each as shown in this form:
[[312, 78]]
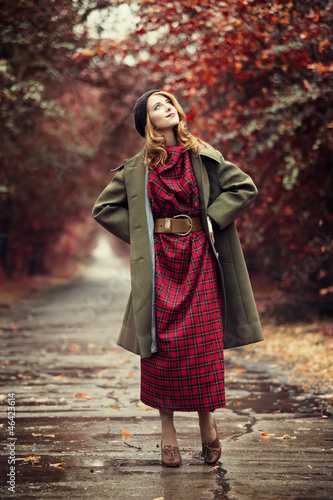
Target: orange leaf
[[265, 436], [82, 395], [74, 347], [31, 459], [322, 44], [126, 432], [60, 465]]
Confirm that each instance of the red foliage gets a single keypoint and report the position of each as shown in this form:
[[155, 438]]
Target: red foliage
[[256, 81], [64, 124]]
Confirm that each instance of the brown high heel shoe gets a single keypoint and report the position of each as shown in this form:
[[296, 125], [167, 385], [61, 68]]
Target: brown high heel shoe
[[170, 456], [212, 451]]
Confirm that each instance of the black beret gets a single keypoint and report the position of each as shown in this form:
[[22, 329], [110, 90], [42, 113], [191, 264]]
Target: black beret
[[140, 112]]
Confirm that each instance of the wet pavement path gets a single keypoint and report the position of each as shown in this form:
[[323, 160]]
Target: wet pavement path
[[81, 431]]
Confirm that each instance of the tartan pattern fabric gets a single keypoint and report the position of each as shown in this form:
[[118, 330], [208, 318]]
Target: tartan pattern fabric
[[187, 372]]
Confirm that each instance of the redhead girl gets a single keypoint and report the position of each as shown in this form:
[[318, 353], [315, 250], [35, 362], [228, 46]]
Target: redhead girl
[[175, 203]]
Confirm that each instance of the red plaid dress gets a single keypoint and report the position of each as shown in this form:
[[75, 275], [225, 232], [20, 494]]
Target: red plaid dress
[[187, 372]]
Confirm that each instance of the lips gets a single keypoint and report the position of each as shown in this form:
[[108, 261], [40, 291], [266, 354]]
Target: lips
[[170, 114]]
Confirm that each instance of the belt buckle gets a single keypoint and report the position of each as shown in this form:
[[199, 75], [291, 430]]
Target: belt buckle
[[167, 225], [191, 224]]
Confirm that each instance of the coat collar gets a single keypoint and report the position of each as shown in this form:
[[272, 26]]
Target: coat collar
[[210, 152], [207, 151]]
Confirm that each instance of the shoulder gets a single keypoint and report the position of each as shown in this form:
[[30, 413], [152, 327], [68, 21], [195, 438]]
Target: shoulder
[[207, 151], [137, 159]]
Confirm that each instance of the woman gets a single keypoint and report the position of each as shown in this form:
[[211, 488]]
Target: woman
[[175, 202]]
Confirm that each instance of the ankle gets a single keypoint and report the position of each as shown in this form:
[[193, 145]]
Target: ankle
[[169, 438], [207, 428], [168, 429]]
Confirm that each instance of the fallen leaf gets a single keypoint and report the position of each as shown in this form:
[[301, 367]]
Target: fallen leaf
[[114, 407], [82, 395], [36, 435], [60, 465], [74, 347], [285, 436], [24, 375], [32, 459], [5, 362], [310, 467], [265, 436], [238, 367], [126, 432]]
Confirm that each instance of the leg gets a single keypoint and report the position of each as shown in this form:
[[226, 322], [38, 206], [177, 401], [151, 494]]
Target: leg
[[168, 429], [207, 428], [169, 447], [211, 448]]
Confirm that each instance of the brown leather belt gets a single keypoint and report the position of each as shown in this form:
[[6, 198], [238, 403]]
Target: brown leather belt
[[181, 224]]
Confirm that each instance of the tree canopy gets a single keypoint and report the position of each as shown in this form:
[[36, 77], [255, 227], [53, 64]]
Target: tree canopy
[[256, 80], [61, 118], [254, 77]]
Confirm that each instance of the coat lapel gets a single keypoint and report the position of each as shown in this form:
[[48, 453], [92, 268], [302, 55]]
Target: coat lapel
[[201, 177]]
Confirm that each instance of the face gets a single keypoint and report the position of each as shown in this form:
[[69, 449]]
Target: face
[[162, 113]]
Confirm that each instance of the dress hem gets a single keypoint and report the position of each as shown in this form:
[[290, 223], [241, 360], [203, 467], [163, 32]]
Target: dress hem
[[222, 405]]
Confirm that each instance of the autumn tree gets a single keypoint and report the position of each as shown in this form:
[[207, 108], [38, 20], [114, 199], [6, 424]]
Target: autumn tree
[[60, 112], [255, 78]]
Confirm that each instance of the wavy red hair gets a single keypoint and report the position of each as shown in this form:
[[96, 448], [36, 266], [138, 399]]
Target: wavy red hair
[[155, 148]]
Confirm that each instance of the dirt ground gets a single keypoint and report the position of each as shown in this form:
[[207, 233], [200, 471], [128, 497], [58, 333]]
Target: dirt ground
[[82, 432], [304, 350]]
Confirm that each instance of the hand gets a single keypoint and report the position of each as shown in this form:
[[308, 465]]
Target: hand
[[210, 229]]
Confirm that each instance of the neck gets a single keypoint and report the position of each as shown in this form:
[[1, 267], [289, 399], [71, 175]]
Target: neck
[[170, 139]]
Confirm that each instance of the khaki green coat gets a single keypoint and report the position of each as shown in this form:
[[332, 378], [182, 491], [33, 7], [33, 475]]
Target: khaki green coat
[[225, 192]]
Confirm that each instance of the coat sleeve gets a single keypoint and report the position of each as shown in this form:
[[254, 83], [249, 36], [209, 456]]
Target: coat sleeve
[[232, 191], [111, 207]]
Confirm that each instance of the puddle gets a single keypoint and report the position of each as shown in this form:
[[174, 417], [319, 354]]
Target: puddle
[[255, 392]]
